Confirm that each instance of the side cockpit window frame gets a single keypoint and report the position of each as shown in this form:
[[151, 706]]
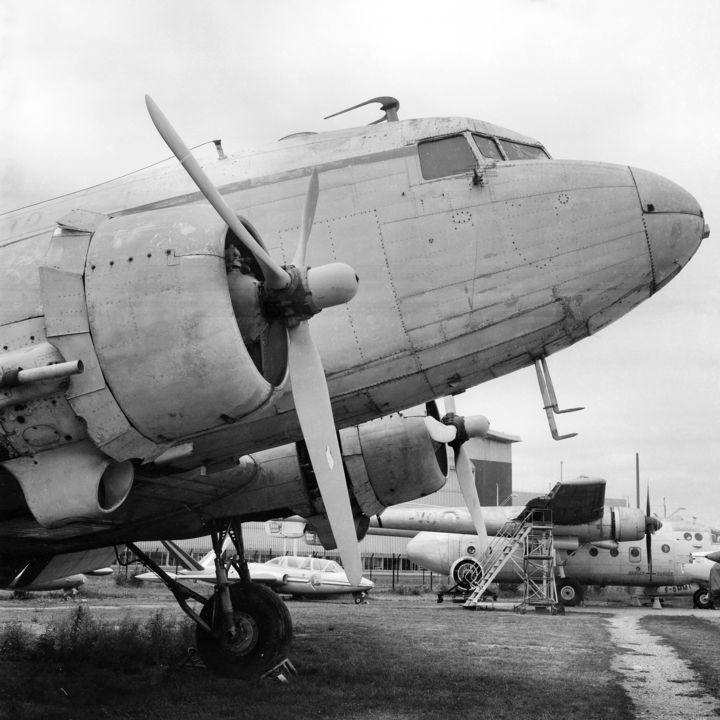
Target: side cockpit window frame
[[446, 156], [488, 147], [514, 150], [462, 153]]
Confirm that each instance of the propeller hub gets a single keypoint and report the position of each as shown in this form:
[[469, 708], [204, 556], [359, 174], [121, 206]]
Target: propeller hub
[[472, 426], [652, 524], [309, 291]]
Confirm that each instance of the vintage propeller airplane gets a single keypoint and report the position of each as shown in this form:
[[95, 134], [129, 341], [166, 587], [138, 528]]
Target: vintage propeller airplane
[[152, 337], [587, 556]]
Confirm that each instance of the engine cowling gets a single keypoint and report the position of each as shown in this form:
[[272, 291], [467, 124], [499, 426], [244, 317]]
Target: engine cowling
[[163, 323], [387, 461], [617, 524]]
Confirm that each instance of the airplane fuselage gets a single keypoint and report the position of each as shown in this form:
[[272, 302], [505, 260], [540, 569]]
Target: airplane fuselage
[[459, 282], [626, 564], [471, 266]]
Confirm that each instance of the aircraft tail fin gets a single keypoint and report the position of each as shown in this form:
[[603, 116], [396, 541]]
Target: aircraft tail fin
[[206, 562], [187, 560]]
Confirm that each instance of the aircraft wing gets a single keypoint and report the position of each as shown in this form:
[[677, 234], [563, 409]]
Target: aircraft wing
[[47, 569], [259, 573], [574, 502]]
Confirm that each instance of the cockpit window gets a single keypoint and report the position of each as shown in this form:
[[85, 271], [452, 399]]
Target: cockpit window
[[520, 151], [715, 536], [487, 147], [446, 156]]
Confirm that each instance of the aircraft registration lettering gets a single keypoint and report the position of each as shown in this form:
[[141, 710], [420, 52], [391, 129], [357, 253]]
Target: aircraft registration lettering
[[671, 589]]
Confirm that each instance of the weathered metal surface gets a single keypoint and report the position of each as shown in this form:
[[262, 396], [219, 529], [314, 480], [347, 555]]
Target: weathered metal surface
[[166, 334], [88, 396], [460, 281], [62, 485]]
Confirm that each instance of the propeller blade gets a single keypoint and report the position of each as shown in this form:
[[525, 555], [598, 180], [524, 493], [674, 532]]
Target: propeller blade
[[308, 216], [275, 276], [440, 432], [648, 534], [466, 479], [312, 403]]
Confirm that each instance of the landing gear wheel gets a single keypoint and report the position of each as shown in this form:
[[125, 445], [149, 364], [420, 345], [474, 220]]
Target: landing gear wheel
[[570, 592], [701, 599], [263, 633]]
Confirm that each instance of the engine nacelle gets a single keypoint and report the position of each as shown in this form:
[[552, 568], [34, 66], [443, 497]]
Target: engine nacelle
[[72, 482], [392, 460], [617, 524], [387, 461]]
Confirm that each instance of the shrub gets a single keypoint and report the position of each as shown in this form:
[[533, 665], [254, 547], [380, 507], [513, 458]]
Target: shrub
[[128, 646], [15, 641]]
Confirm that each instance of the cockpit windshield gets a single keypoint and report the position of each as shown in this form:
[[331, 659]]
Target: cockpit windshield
[[487, 147], [715, 536], [453, 155], [520, 151]]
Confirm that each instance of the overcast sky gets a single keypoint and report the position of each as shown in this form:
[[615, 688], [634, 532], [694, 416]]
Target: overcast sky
[[626, 82]]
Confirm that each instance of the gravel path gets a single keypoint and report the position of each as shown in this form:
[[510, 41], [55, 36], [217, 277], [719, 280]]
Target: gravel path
[[658, 681]]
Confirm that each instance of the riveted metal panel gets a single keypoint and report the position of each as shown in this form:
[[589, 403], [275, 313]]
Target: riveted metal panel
[[88, 395], [166, 334], [63, 296]]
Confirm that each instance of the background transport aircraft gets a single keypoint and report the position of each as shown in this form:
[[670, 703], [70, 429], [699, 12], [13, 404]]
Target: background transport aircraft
[[697, 570], [604, 562], [577, 509], [179, 354], [287, 575]]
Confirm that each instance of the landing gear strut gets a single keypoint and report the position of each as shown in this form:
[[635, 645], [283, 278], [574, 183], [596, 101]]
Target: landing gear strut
[[261, 637], [250, 626], [244, 629]]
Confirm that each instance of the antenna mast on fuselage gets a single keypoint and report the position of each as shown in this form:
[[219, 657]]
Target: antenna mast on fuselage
[[389, 105]]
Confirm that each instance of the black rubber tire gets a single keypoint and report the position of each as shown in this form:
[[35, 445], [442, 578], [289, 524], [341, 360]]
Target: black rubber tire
[[701, 599], [265, 631], [570, 592]]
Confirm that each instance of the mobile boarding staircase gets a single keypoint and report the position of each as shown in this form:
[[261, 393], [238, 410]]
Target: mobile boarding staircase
[[531, 533]]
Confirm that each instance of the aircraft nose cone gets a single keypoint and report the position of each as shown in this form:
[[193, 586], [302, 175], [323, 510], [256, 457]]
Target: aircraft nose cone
[[424, 550], [673, 221]]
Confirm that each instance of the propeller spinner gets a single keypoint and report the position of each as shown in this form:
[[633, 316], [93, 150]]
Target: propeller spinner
[[292, 295]]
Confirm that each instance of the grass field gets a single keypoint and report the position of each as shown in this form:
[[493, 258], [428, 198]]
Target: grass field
[[399, 656]]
